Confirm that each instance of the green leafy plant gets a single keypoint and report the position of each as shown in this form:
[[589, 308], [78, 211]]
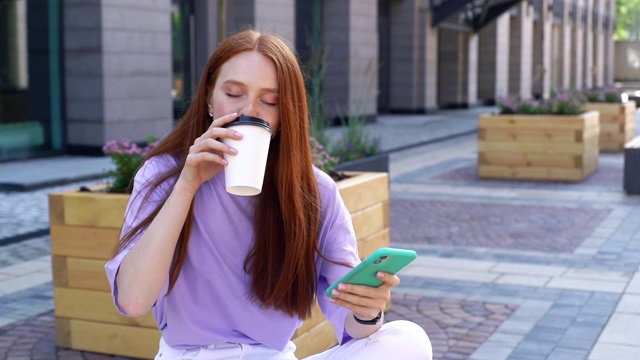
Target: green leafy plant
[[605, 94], [559, 103], [511, 104], [127, 156], [565, 103], [355, 142], [321, 157]]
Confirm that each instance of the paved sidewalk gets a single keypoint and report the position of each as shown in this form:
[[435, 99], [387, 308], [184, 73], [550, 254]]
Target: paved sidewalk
[[506, 269]]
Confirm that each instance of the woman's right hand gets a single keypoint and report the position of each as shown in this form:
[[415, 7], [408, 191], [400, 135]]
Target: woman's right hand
[[206, 156]]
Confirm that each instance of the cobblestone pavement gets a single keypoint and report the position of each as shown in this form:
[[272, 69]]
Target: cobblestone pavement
[[506, 269]]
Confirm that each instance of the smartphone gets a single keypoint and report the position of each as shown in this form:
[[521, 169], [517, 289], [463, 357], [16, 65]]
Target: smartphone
[[387, 260]]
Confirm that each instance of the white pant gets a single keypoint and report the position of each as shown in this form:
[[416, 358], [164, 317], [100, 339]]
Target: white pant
[[397, 339]]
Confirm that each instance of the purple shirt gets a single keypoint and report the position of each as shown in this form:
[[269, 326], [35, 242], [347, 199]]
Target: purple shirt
[[210, 302]]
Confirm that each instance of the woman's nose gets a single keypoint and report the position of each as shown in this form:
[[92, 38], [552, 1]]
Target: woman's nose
[[251, 109]]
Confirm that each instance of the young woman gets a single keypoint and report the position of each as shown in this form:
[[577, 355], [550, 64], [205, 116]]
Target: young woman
[[233, 277]]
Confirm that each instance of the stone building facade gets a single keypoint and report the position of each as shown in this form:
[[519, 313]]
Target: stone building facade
[[118, 68]]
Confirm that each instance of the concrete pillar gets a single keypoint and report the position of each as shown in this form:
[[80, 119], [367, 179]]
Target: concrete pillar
[[565, 47], [431, 66], [493, 60], [413, 57], [521, 51], [117, 61], [14, 62], [588, 50], [599, 51], [449, 64], [472, 71], [276, 16], [207, 34], [610, 12], [457, 85], [542, 53], [351, 39], [268, 16], [577, 63]]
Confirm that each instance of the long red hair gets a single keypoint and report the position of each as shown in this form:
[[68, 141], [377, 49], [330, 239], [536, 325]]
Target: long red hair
[[281, 262]]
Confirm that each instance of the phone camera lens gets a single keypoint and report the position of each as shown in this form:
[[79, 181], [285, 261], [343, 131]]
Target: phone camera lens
[[377, 261], [383, 257]]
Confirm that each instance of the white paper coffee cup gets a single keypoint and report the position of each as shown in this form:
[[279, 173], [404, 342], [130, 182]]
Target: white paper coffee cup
[[244, 173]]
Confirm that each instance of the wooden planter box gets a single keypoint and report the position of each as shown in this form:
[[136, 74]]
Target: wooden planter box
[[538, 147], [85, 227], [617, 124]]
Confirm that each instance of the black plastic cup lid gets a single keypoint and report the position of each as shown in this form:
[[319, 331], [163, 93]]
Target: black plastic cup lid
[[248, 120]]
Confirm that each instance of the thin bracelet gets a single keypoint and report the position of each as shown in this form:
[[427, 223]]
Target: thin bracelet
[[373, 321]]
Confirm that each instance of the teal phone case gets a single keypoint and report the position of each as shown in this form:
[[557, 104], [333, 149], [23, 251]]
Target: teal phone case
[[387, 260]]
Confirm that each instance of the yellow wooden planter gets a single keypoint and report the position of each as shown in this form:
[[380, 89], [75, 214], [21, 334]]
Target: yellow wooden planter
[[538, 147], [617, 124], [85, 227]]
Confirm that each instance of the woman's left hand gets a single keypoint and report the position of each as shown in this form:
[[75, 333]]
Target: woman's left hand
[[364, 301]]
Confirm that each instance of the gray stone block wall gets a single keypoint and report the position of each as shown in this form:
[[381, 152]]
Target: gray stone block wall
[[609, 46], [449, 84], [336, 35], [239, 15], [488, 57], [118, 58], [566, 55], [588, 47], [351, 45], [406, 72], [577, 59], [118, 70], [431, 70], [363, 58], [542, 50], [538, 56], [82, 31], [276, 16], [521, 51]]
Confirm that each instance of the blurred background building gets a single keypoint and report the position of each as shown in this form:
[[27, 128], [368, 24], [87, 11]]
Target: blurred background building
[[77, 73]]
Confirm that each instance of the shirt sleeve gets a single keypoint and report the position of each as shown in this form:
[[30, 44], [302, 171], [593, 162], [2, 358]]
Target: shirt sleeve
[[137, 209], [338, 243]]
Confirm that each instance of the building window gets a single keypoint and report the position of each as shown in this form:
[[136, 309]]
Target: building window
[[182, 25], [30, 81]]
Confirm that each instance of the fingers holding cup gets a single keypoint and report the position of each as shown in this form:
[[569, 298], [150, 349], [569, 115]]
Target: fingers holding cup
[[245, 170]]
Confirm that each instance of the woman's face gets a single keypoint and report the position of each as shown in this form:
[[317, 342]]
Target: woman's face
[[247, 84]]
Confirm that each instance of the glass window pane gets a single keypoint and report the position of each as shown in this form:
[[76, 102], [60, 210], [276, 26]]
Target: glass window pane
[[30, 108]]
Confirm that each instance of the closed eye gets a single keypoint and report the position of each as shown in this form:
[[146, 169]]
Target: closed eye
[[231, 95]]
